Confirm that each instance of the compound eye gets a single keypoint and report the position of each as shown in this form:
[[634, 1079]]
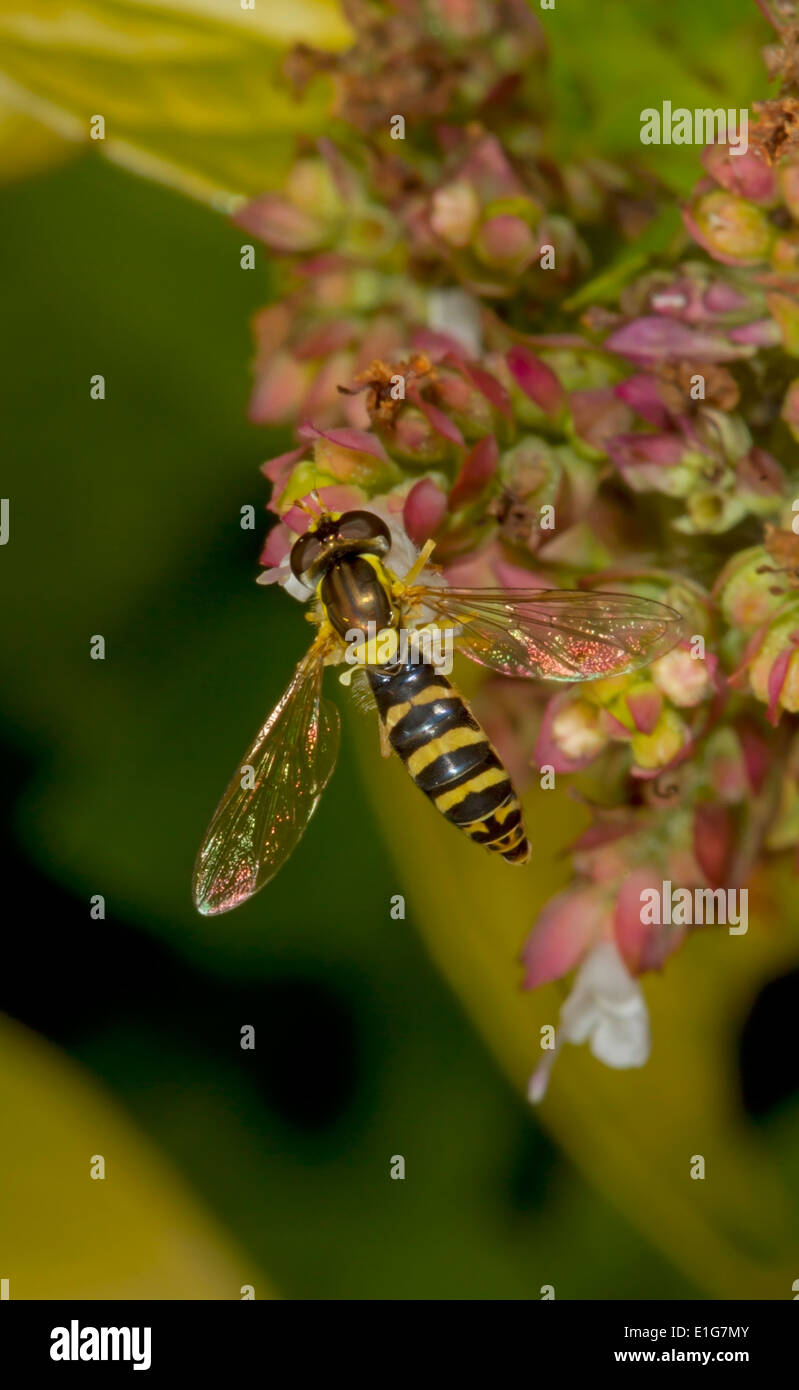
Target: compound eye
[[364, 526], [304, 553]]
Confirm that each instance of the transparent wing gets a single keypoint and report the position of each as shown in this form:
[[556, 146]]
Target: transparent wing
[[257, 825], [556, 634]]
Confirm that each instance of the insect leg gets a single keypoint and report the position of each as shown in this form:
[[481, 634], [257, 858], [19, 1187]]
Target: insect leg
[[419, 563], [385, 743]]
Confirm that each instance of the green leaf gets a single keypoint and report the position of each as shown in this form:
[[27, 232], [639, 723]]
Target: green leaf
[[611, 61], [125, 520], [190, 92], [631, 1133], [137, 1232], [606, 287], [28, 146]]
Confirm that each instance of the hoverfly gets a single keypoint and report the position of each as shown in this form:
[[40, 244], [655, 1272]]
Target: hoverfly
[[343, 562]]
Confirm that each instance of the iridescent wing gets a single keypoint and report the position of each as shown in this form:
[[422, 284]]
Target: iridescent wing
[[555, 634], [264, 813]]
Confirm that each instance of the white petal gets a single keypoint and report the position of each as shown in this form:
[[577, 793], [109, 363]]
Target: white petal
[[278, 574], [607, 1008], [537, 1085], [603, 971], [295, 587], [282, 574], [457, 313], [622, 1043]]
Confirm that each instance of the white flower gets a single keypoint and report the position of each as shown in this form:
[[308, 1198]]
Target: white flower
[[576, 730], [283, 575], [457, 313], [607, 1009]]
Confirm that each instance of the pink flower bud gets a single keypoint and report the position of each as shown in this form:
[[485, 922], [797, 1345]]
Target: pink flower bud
[[351, 456], [278, 544], [602, 852], [491, 172], [439, 419], [758, 475], [323, 401], [664, 450], [642, 394], [695, 294], [713, 841], [576, 732], [424, 510], [505, 242], [745, 589], [645, 705], [656, 462], [454, 213], [664, 743], [730, 229], [279, 471], [758, 333], [682, 678], [464, 402], [654, 339], [477, 469], [284, 227], [726, 766], [598, 415], [774, 668], [536, 380], [634, 938], [413, 439], [747, 175], [721, 300], [561, 936], [279, 389], [756, 754]]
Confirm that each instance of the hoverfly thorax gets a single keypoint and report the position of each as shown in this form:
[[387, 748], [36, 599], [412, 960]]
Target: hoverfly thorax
[[340, 556]]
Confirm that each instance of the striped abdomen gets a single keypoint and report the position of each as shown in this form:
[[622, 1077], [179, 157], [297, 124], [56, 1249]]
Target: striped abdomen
[[449, 757]]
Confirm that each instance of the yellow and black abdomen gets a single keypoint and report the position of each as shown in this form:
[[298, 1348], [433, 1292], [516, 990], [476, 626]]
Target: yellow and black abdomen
[[430, 726]]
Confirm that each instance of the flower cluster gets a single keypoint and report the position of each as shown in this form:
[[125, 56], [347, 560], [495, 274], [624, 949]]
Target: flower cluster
[[436, 178], [422, 349]]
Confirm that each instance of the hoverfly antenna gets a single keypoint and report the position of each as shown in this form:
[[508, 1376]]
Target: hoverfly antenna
[[314, 513]]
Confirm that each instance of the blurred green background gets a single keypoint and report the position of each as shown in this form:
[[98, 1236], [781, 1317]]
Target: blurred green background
[[374, 1037]]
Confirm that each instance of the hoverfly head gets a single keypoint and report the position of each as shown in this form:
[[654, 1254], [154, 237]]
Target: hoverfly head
[[335, 535]]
